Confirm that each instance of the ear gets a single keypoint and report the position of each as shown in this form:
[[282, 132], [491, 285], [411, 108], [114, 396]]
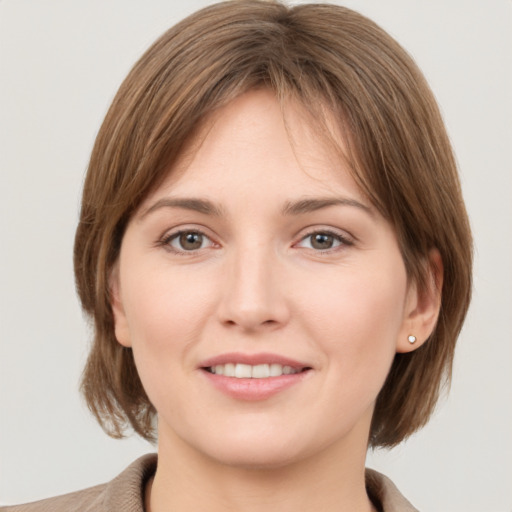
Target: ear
[[422, 306], [121, 328]]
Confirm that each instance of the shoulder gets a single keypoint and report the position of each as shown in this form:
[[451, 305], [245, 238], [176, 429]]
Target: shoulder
[[125, 492], [88, 499], [384, 492]]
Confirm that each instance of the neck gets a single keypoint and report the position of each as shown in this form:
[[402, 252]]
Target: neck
[[187, 480]]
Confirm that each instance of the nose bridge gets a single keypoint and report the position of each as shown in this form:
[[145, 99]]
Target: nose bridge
[[252, 294]]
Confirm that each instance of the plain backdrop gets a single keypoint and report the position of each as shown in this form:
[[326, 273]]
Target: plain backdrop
[[61, 63]]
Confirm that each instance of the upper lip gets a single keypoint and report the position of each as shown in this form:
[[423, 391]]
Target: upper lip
[[253, 360]]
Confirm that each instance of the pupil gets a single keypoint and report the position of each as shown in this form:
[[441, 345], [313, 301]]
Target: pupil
[[322, 241], [190, 241]]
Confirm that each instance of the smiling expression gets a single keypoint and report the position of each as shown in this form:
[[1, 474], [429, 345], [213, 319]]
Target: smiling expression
[[261, 292]]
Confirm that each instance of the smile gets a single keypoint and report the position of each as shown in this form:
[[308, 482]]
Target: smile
[[247, 371], [254, 377]]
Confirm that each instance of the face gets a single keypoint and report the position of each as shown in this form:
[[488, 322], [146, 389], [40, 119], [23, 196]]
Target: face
[[264, 297]]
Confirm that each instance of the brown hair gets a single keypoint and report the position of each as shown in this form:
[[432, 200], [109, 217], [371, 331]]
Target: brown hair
[[324, 56]]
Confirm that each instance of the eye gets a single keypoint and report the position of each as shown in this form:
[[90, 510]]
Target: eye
[[187, 241], [323, 241]]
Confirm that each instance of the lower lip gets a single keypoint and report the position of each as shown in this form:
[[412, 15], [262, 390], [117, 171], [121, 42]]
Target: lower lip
[[254, 389]]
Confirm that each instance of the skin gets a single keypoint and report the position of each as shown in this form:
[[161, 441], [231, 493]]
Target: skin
[[260, 282]]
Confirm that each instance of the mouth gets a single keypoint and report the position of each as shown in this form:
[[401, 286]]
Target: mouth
[[258, 371], [253, 366], [250, 377]]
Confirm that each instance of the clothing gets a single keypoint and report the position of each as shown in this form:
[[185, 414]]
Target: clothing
[[126, 493]]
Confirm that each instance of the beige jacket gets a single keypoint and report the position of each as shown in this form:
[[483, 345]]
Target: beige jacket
[[126, 493]]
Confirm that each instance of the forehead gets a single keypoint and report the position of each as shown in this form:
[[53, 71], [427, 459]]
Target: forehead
[[256, 141]]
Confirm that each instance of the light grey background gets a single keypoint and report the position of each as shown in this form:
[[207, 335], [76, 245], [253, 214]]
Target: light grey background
[[60, 65]]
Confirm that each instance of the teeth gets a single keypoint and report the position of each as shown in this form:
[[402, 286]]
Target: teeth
[[243, 371], [276, 370], [246, 371], [287, 370], [260, 371]]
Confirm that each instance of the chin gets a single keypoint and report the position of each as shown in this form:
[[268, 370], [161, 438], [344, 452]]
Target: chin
[[240, 444], [259, 448], [256, 458]]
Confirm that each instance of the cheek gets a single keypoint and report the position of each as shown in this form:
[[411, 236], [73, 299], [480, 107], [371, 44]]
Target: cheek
[[162, 306], [165, 315], [357, 322]]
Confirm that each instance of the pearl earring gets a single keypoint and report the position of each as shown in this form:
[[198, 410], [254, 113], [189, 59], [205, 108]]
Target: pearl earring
[[412, 339]]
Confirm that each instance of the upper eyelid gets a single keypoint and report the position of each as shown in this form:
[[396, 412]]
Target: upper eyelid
[[167, 240], [341, 233], [343, 240], [171, 234], [192, 228], [344, 243]]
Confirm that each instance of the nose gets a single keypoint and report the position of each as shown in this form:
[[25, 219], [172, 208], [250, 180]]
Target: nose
[[253, 292]]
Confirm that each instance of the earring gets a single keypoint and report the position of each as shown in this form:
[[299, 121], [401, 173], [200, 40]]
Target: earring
[[412, 339]]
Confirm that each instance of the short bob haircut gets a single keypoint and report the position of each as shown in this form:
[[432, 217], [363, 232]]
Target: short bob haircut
[[337, 64]]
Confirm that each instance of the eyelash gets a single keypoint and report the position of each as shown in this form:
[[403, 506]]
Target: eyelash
[[168, 238], [343, 240], [338, 237]]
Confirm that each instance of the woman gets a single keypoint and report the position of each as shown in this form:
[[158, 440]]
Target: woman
[[276, 257]]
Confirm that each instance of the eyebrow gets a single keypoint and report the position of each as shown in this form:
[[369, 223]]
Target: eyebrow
[[317, 203], [186, 203], [299, 207]]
